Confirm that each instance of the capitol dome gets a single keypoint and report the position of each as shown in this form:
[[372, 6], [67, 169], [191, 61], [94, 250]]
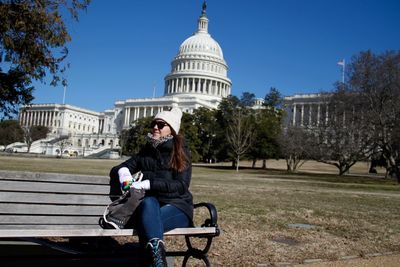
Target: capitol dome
[[201, 43], [199, 67]]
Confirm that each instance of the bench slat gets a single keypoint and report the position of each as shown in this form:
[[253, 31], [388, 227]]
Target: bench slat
[[27, 186], [50, 227], [99, 232], [18, 197], [35, 209], [46, 219], [53, 177]]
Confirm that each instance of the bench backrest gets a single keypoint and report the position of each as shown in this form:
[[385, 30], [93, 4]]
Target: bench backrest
[[51, 201]]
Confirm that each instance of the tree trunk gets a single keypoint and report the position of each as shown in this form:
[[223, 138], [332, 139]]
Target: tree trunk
[[237, 163], [264, 164], [253, 165], [394, 169], [397, 173], [342, 170], [289, 164]]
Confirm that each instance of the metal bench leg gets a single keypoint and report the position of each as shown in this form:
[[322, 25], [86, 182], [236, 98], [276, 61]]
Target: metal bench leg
[[200, 254], [200, 257]]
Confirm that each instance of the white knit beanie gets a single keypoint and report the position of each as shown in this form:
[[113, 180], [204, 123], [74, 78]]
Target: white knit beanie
[[172, 117]]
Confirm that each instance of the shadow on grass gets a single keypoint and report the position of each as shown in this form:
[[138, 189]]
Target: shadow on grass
[[307, 176]]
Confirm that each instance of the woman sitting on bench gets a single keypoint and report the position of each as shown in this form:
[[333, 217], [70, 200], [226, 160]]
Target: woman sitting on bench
[[166, 166]]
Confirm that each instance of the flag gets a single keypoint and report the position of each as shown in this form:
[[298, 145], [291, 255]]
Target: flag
[[341, 62]]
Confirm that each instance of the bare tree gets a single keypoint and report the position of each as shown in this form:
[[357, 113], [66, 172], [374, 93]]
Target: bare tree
[[64, 143], [239, 134], [376, 79], [341, 138], [33, 133], [294, 143]]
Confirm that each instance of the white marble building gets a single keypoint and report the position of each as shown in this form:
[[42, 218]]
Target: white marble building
[[198, 78], [84, 130], [305, 110]]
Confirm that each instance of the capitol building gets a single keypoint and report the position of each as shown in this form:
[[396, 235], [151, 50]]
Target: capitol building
[[198, 78]]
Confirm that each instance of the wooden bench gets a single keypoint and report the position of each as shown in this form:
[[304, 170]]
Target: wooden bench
[[44, 208]]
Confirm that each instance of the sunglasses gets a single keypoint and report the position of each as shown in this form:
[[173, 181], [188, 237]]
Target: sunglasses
[[160, 124]]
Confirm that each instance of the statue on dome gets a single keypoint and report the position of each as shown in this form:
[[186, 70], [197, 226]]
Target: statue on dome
[[204, 7]]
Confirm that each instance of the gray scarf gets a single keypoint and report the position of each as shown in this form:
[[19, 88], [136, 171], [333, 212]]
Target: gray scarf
[[157, 142]]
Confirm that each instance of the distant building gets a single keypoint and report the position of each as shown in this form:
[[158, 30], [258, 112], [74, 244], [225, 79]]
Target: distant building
[[305, 109], [198, 78]]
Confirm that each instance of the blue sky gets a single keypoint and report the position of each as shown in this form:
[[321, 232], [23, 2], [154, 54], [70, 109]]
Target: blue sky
[[123, 49]]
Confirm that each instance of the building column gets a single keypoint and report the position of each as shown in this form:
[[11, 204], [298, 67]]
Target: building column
[[54, 118], [41, 118], [30, 118], [21, 116], [51, 118], [326, 114], [46, 119], [294, 115], [129, 116], [224, 89], [26, 118], [302, 114], [35, 118], [125, 117]]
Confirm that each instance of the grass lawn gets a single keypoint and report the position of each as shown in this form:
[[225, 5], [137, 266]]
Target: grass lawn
[[263, 213]]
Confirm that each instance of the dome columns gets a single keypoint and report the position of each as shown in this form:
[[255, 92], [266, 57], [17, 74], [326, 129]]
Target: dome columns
[[195, 85]]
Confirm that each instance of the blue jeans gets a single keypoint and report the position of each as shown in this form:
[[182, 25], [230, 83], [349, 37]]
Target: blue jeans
[[151, 220]]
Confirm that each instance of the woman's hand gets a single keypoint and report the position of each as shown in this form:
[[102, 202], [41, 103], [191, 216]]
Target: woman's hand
[[141, 185]]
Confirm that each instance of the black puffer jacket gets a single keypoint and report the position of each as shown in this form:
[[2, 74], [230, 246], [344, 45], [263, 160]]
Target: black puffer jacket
[[167, 185]]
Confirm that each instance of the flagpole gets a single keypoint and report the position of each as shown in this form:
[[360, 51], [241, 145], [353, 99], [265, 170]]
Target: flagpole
[[65, 89], [343, 66], [342, 63]]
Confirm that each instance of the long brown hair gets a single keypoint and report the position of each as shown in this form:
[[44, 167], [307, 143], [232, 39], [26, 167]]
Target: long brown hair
[[179, 159]]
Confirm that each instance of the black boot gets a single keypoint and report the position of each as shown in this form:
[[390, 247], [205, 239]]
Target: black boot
[[157, 253]]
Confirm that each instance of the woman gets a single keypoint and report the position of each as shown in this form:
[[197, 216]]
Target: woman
[[166, 166]]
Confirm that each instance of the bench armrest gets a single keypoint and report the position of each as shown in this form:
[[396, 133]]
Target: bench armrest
[[212, 220]]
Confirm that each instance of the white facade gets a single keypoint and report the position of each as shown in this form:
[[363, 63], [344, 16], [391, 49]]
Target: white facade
[[61, 119], [305, 109], [85, 131]]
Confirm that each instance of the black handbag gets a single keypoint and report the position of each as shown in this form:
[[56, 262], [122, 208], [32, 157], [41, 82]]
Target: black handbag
[[117, 213]]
